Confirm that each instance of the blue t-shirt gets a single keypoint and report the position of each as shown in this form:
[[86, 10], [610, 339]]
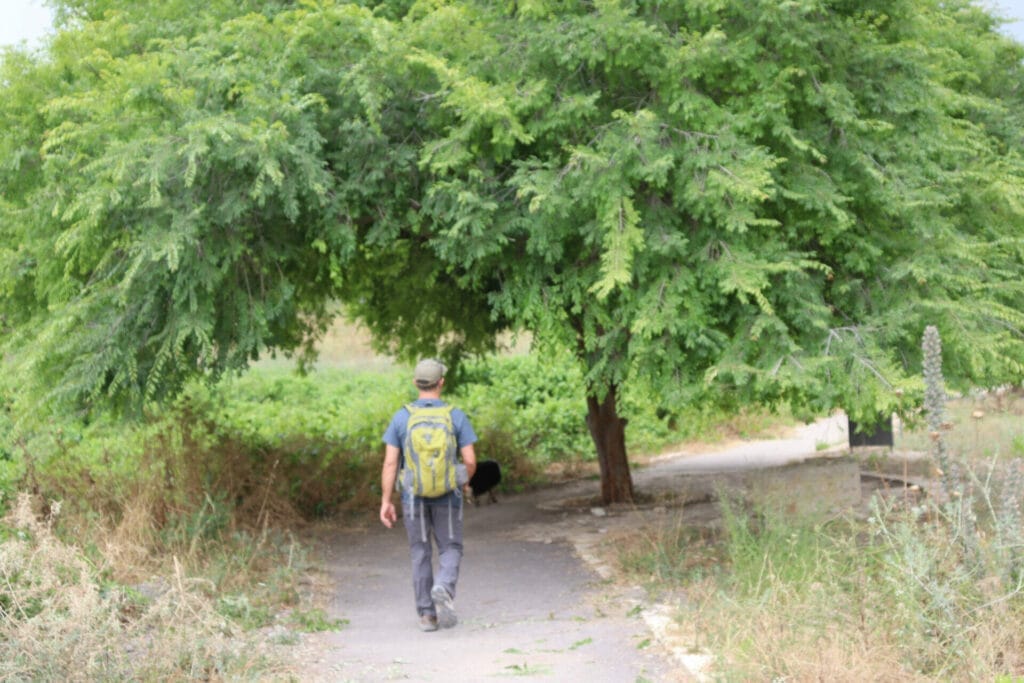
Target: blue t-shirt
[[394, 435]]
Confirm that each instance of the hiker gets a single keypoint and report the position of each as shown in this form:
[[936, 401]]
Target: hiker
[[424, 440]]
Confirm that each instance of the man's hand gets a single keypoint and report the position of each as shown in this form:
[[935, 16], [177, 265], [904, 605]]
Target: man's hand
[[388, 516]]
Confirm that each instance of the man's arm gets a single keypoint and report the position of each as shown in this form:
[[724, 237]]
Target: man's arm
[[388, 475], [468, 454]]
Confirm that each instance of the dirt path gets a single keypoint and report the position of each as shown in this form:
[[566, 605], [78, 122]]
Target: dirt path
[[534, 601]]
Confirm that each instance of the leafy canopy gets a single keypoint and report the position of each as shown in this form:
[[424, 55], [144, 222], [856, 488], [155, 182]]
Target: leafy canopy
[[763, 200]]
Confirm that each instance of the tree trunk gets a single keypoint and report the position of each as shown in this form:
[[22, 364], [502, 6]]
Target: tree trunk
[[609, 433]]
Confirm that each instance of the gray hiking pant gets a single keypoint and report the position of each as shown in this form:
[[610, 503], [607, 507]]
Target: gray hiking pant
[[440, 519]]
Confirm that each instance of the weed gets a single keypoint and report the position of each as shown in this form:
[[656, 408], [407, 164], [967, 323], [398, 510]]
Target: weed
[[525, 669], [580, 643], [667, 554], [240, 609], [316, 619]]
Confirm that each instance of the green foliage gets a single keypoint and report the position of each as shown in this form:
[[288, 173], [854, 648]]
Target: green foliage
[[191, 206], [532, 407], [762, 201], [10, 465], [527, 407], [275, 442], [311, 441], [750, 203], [319, 433]]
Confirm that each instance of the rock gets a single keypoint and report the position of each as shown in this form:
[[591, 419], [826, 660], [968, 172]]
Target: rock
[[153, 590]]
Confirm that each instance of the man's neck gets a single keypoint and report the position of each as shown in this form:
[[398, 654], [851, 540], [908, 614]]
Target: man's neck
[[436, 395]]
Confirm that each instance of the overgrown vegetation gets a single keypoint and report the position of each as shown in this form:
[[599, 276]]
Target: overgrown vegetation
[[62, 618], [199, 495], [273, 444], [682, 195], [929, 589]]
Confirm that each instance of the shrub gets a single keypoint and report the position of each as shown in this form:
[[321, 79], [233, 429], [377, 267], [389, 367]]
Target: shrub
[[533, 407]]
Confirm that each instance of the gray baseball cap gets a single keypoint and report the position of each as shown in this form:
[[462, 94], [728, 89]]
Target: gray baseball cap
[[429, 371]]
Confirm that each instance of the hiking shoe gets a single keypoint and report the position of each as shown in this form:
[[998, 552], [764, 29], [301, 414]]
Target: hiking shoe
[[428, 622], [445, 607]]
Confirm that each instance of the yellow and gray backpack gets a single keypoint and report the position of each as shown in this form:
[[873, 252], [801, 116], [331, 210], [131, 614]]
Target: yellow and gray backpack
[[430, 451]]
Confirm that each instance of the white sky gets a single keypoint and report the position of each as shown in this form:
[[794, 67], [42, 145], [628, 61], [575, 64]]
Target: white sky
[[29, 19], [1011, 9], [25, 20]]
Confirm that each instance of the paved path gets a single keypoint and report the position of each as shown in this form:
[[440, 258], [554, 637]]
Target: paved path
[[804, 442], [528, 609], [532, 602]]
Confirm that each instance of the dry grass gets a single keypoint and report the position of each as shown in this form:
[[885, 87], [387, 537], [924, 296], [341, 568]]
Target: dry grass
[[857, 627], [984, 425], [169, 576], [799, 636], [60, 620], [345, 345], [917, 592], [789, 602]]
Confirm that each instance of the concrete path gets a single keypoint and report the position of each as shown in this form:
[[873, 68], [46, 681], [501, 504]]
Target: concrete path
[[805, 442], [532, 602], [528, 609]]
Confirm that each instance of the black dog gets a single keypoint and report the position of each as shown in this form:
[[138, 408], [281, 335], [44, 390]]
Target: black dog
[[486, 477]]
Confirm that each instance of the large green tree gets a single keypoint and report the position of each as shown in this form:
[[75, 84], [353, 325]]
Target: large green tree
[[751, 200]]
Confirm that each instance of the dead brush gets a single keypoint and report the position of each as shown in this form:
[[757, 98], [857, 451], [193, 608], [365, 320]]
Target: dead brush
[[60, 621]]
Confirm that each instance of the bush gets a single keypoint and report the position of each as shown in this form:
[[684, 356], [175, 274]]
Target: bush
[[274, 443], [318, 435], [527, 408], [533, 407], [11, 469]]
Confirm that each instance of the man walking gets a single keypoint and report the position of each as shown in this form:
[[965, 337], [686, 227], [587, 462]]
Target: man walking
[[423, 440]]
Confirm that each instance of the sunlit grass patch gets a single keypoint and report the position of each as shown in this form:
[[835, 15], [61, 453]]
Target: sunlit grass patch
[[983, 425]]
